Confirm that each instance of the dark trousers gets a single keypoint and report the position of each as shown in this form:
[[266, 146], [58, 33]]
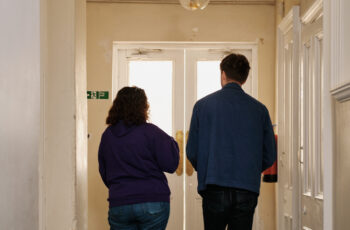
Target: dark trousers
[[230, 207]]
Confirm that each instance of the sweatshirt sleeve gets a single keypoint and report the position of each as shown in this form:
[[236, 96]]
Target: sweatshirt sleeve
[[269, 145], [101, 161], [192, 142], [166, 151]]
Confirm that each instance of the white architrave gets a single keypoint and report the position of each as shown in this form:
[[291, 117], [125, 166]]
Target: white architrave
[[342, 93], [213, 2], [313, 13]]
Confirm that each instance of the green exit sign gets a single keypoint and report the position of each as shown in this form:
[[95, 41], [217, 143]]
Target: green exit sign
[[97, 94]]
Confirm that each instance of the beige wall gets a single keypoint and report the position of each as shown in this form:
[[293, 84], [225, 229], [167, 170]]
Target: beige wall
[[342, 119], [136, 22], [342, 166], [288, 4], [305, 5]]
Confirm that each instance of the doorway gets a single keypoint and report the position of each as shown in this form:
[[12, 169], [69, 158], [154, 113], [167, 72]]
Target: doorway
[[174, 76]]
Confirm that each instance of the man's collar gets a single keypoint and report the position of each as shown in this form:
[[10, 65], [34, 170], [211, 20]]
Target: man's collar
[[232, 85]]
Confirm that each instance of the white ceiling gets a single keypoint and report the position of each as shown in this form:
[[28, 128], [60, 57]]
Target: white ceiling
[[216, 2]]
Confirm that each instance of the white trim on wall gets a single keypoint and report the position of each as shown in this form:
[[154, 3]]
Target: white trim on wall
[[337, 20], [43, 72], [212, 2], [342, 93], [183, 45], [335, 41], [313, 13], [287, 23], [295, 128], [328, 124]]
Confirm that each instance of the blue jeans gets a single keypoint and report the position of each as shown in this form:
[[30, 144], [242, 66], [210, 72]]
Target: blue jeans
[[143, 216], [230, 207]]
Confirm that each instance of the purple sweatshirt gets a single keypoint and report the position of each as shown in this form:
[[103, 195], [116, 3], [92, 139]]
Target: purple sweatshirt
[[132, 162]]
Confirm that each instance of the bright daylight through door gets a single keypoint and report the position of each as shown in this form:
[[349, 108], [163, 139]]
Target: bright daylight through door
[[208, 78], [155, 77]]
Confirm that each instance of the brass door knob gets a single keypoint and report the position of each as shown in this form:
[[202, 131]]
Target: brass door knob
[[179, 139], [189, 167]]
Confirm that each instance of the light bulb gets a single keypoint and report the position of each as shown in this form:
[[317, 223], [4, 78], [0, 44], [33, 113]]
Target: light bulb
[[194, 4]]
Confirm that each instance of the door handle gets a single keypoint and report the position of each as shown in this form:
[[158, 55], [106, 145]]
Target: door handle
[[301, 155], [189, 167], [180, 139]]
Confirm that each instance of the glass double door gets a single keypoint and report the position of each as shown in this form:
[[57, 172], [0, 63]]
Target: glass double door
[[174, 79]]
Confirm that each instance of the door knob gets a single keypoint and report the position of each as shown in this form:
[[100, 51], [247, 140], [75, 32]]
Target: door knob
[[179, 139], [189, 167]]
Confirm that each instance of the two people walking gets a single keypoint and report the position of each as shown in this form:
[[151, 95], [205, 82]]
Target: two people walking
[[230, 143]]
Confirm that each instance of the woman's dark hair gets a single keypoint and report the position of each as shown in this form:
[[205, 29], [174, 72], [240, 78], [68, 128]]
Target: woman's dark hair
[[236, 67], [130, 105]]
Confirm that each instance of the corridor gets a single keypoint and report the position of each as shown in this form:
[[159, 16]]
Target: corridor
[[62, 63]]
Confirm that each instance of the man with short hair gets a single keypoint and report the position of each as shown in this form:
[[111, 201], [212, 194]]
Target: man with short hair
[[231, 141]]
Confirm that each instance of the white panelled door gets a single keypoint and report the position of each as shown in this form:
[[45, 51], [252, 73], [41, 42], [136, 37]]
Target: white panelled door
[[288, 121], [300, 87], [311, 153], [174, 77]]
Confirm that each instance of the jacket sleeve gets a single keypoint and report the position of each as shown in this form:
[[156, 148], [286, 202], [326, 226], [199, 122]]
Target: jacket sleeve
[[192, 142], [101, 162], [166, 151], [269, 145]]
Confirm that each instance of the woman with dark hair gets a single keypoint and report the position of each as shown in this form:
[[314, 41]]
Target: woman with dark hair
[[133, 156]]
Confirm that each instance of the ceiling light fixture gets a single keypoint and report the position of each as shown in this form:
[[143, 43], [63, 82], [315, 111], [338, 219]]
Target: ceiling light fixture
[[194, 4]]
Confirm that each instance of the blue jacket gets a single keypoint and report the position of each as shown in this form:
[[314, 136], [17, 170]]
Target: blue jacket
[[231, 140], [132, 162]]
